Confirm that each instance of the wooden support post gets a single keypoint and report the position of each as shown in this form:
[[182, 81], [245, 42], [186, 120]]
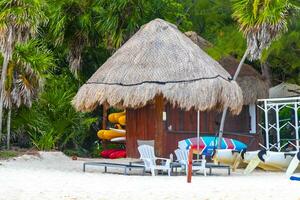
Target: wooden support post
[[190, 163], [105, 107], [104, 144], [159, 133]]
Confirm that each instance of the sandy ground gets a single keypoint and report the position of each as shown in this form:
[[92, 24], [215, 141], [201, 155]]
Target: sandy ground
[[52, 175]]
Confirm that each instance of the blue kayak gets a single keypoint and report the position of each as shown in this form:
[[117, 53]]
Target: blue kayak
[[207, 144], [295, 178]]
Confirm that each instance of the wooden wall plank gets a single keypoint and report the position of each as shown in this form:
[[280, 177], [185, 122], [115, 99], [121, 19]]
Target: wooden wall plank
[[146, 123]]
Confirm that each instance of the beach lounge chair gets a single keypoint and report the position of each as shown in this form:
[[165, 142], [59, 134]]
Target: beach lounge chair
[[150, 160], [182, 158], [145, 142]]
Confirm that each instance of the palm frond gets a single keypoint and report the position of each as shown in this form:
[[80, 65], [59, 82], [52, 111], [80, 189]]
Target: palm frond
[[24, 91], [29, 65], [261, 22], [71, 24], [22, 18], [34, 57]]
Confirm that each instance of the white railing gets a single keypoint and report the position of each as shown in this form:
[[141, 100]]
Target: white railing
[[275, 105]]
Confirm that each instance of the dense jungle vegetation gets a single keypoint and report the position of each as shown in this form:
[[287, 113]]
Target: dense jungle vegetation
[[52, 47]]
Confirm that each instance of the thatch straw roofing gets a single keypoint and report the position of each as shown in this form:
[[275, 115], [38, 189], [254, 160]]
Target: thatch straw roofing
[[197, 39], [284, 90], [251, 82], [160, 60]]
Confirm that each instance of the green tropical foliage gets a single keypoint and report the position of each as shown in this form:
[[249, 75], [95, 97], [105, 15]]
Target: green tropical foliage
[[30, 63], [26, 71], [57, 45], [52, 122], [283, 55], [213, 21], [19, 21], [71, 26], [261, 22], [121, 18]]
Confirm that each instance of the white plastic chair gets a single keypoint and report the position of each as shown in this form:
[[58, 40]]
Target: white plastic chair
[[149, 158], [182, 158], [145, 142]]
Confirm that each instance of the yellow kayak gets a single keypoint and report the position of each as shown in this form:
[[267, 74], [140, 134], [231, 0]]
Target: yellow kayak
[[122, 120], [114, 117], [109, 134]]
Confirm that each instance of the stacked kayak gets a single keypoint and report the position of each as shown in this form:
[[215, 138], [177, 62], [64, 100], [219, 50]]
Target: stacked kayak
[[272, 161], [208, 144], [229, 157], [117, 118], [263, 159], [110, 134], [117, 134], [113, 153]]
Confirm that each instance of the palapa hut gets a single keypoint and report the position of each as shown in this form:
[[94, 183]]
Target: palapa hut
[[157, 71]]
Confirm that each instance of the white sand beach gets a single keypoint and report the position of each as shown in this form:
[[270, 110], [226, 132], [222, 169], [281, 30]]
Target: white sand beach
[[53, 175]]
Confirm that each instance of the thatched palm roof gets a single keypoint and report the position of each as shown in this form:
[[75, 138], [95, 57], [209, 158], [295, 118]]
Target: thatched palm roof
[[198, 40], [160, 60], [284, 90], [252, 83]]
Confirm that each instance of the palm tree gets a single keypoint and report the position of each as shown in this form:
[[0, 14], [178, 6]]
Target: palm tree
[[26, 70], [19, 21], [72, 25], [261, 22]]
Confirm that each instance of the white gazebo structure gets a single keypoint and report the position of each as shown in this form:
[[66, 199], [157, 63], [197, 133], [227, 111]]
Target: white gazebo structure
[[274, 106]]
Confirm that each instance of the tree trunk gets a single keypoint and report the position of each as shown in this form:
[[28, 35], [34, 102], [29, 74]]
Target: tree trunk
[[222, 123], [237, 72], [3, 79], [8, 128], [266, 72], [7, 56]]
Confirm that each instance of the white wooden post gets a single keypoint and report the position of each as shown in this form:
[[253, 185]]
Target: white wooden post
[[296, 125], [277, 126], [252, 113], [266, 124]]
